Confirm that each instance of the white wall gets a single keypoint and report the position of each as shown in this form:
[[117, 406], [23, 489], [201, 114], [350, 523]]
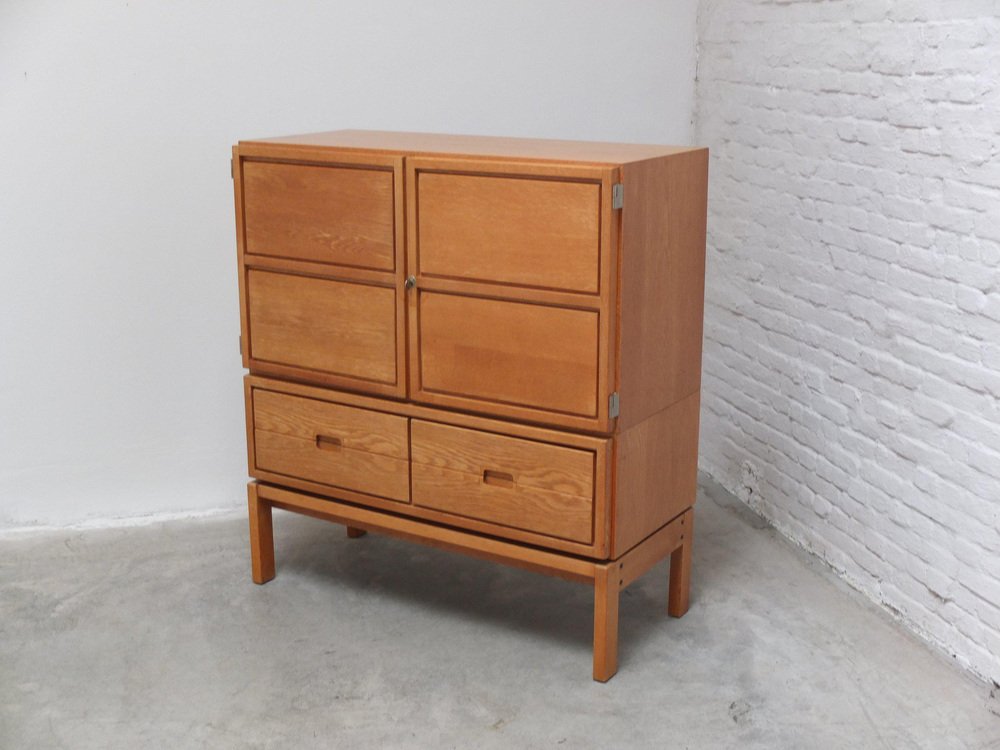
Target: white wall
[[120, 391], [852, 352]]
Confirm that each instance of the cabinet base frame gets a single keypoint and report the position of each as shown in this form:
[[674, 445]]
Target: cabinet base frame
[[608, 578]]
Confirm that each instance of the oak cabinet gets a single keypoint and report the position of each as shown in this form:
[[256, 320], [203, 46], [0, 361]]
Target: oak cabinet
[[489, 345]]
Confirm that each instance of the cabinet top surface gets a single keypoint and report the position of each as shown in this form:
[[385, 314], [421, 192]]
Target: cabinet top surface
[[434, 144]]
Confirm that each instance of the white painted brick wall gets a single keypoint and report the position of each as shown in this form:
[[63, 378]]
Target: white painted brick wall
[[852, 346]]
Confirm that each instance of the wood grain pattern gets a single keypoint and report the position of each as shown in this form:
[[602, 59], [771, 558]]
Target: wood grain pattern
[[297, 267], [606, 595], [236, 171], [431, 414], [654, 548], [656, 473], [475, 545], [261, 537], [553, 298], [534, 299], [533, 464], [553, 544], [599, 447], [540, 233], [371, 473], [320, 213], [402, 344], [607, 333], [348, 329], [248, 415], [662, 283], [486, 350], [604, 302], [680, 570], [482, 147], [674, 538], [355, 429], [332, 444], [543, 488]]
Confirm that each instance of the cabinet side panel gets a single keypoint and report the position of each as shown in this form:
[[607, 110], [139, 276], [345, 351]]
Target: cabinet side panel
[[662, 282], [657, 473]]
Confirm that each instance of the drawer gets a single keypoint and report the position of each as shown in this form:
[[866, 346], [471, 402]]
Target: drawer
[[340, 328], [475, 353], [327, 214], [529, 232], [522, 484], [336, 445]]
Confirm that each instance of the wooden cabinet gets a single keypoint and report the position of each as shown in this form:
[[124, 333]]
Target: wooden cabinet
[[487, 345]]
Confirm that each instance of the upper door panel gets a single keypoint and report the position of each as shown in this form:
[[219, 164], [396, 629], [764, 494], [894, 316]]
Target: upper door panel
[[327, 214], [509, 230]]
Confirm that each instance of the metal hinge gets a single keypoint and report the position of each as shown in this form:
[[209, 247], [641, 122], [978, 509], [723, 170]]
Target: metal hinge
[[613, 405], [617, 195], [241, 345], [232, 170]]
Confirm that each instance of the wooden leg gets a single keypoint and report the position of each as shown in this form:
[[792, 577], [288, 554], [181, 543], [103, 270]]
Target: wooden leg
[[261, 537], [680, 570], [606, 588], [353, 532]]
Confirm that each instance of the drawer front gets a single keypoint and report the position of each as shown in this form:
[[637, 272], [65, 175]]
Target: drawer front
[[477, 353], [327, 214], [343, 329], [336, 445], [529, 232], [521, 484]]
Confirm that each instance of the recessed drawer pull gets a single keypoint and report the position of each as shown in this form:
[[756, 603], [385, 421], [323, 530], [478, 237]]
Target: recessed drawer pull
[[329, 443], [498, 478]]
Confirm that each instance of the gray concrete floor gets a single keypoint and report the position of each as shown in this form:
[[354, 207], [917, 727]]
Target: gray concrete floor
[[154, 637]]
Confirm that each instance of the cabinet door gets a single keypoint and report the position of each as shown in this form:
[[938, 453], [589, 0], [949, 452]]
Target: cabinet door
[[505, 353], [339, 332], [323, 213], [320, 243], [512, 310], [509, 230]]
